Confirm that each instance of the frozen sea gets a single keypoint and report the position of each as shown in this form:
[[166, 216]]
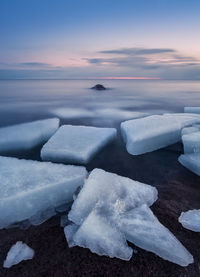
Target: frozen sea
[[75, 103]]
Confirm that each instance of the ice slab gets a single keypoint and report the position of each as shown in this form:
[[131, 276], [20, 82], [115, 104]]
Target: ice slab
[[17, 253], [100, 236], [142, 228], [192, 110], [27, 135], [191, 142], [115, 113], [31, 189], [115, 193], [111, 209], [191, 162], [189, 130], [76, 144], [190, 220], [154, 132]]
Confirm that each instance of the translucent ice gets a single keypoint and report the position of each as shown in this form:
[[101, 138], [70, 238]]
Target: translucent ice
[[76, 144], [142, 228], [100, 236], [115, 193], [111, 209], [190, 220], [17, 253], [27, 135], [191, 142], [191, 162], [154, 132], [32, 189]]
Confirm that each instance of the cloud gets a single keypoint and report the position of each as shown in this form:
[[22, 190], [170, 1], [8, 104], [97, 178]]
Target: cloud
[[138, 51], [34, 64]]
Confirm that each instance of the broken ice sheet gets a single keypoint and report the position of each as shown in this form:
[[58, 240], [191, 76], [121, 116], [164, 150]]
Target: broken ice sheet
[[17, 253], [154, 132], [191, 142], [115, 193], [99, 235], [76, 144], [190, 220], [32, 190], [111, 209], [142, 228], [27, 135]]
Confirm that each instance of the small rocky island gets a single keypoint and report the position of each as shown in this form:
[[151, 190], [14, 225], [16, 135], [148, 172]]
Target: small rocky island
[[99, 87]]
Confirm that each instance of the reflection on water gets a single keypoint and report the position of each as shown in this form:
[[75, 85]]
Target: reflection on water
[[25, 100]]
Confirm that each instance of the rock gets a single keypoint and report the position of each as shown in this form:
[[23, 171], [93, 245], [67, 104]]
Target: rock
[[99, 87]]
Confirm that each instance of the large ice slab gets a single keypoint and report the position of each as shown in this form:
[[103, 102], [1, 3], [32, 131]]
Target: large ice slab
[[17, 253], [191, 142], [76, 144], [100, 236], [27, 135], [142, 228], [190, 220], [154, 132], [192, 110], [31, 189], [115, 193], [111, 209], [191, 162]]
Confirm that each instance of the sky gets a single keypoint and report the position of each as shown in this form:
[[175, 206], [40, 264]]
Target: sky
[[60, 39]]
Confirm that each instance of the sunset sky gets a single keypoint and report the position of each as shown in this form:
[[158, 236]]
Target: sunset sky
[[107, 38]]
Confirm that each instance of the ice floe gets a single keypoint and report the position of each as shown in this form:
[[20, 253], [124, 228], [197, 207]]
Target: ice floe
[[190, 220], [191, 161], [76, 144], [189, 130], [27, 135], [142, 228], [191, 142], [111, 209], [154, 132], [17, 253], [31, 190]]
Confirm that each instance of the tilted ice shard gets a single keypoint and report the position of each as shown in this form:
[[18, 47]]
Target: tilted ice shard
[[191, 142], [30, 189], [100, 236], [190, 220], [27, 135], [191, 162], [76, 144], [115, 193], [142, 228], [192, 110], [154, 132], [17, 253]]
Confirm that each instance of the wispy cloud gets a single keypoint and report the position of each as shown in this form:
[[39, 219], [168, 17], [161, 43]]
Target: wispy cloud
[[138, 51]]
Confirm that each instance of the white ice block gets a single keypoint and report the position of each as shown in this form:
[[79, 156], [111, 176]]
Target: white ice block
[[191, 142], [190, 220], [100, 236], [31, 189], [142, 228], [17, 253], [191, 162], [76, 144], [27, 135], [154, 132], [115, 193]]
